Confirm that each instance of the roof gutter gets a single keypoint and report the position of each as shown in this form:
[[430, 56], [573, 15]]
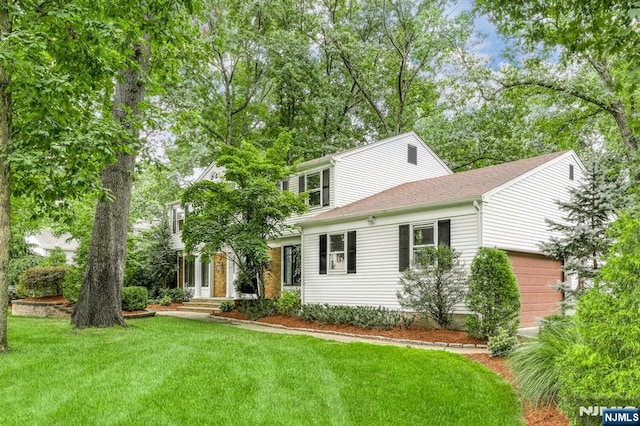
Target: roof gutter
[[385, 212]]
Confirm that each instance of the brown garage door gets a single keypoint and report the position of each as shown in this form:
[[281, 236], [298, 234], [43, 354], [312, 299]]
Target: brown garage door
[[535, 274]]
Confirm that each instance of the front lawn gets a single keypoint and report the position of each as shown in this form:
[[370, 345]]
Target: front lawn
[[173, 371]]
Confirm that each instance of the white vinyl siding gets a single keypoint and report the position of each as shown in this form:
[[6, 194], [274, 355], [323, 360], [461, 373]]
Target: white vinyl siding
[[376, 281], [384, 166], [514, 217], [313, 210]]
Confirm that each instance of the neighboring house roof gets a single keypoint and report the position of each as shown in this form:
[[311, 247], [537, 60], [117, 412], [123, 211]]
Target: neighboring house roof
[[461, 186], [46, 240]]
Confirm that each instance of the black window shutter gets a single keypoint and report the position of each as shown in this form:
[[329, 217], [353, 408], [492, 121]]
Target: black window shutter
[[444, 232], [325, 187], [173, 219], [323, 253], [301, 186], [404, 247], [412, 154], [351, 252]]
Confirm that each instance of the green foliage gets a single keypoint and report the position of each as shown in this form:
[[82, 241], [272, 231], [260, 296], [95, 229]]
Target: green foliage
[[56, 257], [244, 210], [134, 298], [583, 242], [288, 303], [502, 343], [42, 281], [17, 266], [151, 262], [537, 364], [257, 308], [595, 43], [602, 366], [177, 295], [227, 305], [72, 284], [434, 285], [359, 316], [165, 301], [494, 297]]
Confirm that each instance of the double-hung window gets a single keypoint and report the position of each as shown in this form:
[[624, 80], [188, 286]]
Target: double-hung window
[[317, 185], [423, 236], [314, 189], [336, 253], [412, 239]]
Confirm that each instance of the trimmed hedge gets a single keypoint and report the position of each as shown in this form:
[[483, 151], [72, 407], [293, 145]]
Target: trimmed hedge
[[42, 281], [134, 298], [359, 316]]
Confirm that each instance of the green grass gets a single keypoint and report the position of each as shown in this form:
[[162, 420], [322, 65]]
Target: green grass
[[172, 371]]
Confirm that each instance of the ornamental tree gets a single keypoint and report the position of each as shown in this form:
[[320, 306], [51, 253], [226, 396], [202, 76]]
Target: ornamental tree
[[244, 210], [434, 285]]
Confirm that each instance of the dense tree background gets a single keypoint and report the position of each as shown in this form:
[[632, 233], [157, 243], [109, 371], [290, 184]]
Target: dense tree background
[[335, 74]]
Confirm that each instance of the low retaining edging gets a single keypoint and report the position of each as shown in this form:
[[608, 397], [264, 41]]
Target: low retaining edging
[[29, 308], [341, 333], [21, 308]]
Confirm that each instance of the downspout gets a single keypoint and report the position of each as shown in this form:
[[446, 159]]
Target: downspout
[[478, 207], [302, 262]]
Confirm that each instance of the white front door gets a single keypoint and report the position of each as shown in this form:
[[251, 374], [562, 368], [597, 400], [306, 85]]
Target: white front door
[[204, 289]]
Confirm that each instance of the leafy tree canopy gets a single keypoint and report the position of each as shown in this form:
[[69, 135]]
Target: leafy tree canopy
[[245, 209]]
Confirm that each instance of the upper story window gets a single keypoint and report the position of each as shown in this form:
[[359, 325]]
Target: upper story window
[[177, 219], [412, 154], [570, 171], [283, 185], [317, 185]]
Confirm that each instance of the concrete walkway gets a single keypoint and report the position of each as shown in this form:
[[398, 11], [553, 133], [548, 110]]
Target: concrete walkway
[[335, 336]]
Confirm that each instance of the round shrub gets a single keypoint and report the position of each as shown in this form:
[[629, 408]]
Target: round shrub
[[42, 281], [134, 298], [227, 305], [494, 297], [501, 344], [165, 301]]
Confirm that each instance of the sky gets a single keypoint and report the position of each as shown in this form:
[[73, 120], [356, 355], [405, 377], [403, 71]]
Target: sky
[[493, 44]]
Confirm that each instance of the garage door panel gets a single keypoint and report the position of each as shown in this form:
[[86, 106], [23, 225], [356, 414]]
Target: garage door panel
[[535, 275]]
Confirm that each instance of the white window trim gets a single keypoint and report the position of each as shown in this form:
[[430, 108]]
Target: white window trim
[[344, 252], [318, 190], [434, 224]]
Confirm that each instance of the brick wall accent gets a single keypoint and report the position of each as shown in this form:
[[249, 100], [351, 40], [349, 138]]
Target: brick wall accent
[[272, 277], [535, 274], [220, 275]]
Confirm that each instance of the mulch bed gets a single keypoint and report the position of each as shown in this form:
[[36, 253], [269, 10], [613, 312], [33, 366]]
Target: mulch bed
[[533, 416]]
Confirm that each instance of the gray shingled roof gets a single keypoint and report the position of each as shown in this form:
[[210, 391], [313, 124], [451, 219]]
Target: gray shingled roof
[[439, 190]]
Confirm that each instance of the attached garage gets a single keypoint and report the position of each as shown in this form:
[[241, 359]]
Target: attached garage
[[536, 274]]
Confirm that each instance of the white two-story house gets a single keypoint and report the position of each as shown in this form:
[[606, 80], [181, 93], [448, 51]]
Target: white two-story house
[[371, 208]]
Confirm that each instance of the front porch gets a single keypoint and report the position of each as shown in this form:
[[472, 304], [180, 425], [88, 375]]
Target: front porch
[[212, 280]]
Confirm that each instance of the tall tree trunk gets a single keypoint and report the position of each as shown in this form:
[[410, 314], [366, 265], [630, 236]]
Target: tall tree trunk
[[5, 182], [100, 300]]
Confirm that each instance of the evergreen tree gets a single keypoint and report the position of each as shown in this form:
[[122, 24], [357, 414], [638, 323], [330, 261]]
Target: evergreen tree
[[582, 240], [493, 297]]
